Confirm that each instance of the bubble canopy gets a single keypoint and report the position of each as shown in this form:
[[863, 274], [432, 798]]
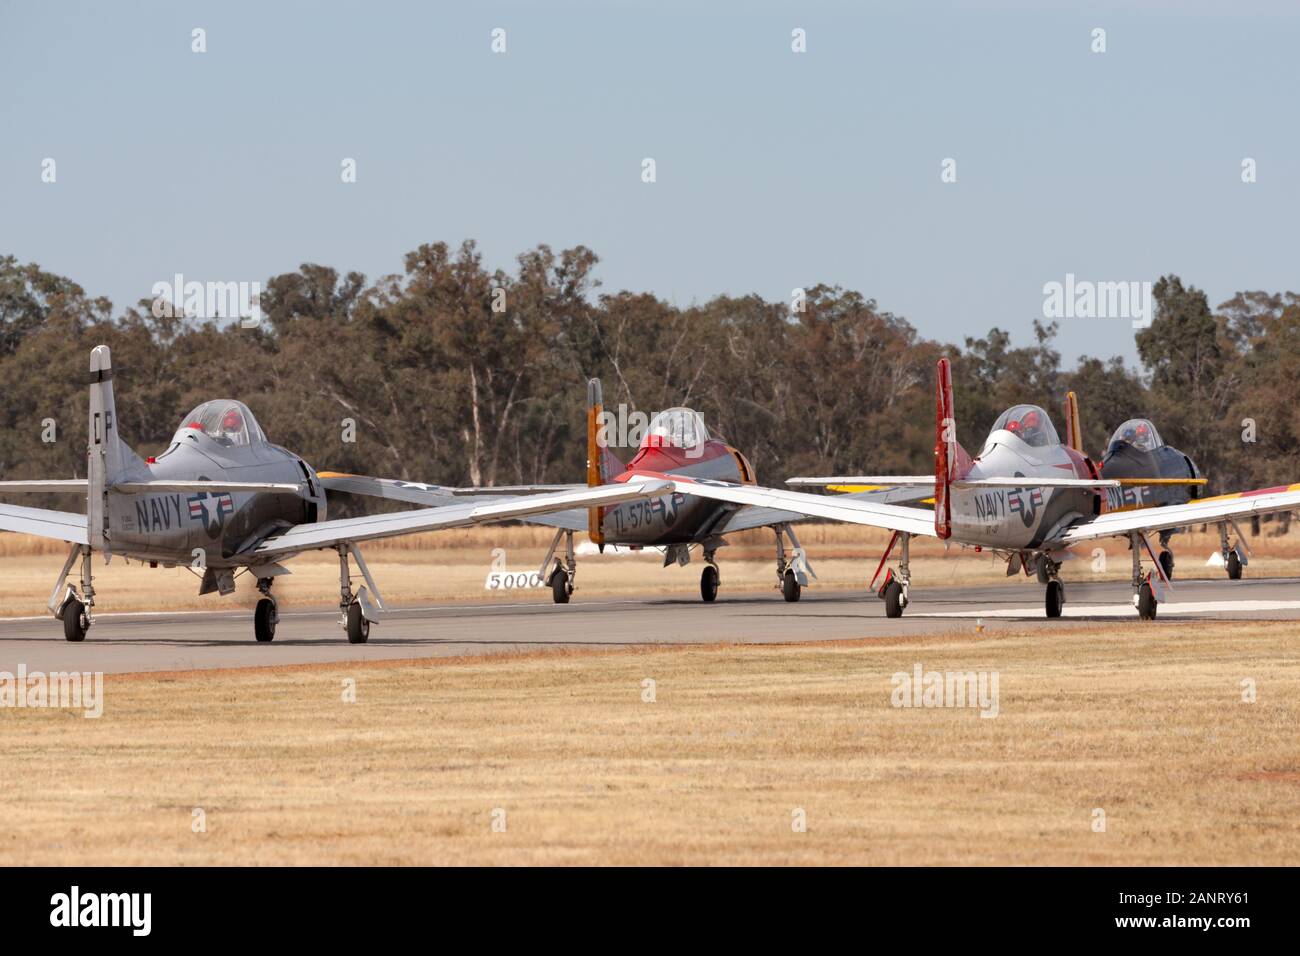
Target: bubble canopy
[[1029, 423], [225, 421], [676, 428], [1139, 433]]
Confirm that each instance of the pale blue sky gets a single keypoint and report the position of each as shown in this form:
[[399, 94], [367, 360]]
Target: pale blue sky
[[775, 169]]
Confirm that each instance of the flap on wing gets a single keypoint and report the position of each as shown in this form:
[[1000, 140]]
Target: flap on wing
[[59, 525], [880, 482]]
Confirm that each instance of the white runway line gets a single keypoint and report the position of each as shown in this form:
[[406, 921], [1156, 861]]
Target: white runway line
[[1128, 610]]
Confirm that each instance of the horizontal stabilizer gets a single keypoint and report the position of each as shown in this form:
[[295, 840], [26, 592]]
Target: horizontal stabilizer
[[873, 482], [77, 485], [143, 487], [59, 525], [420, 493]]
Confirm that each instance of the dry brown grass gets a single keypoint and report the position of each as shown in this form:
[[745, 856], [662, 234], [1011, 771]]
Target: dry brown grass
[[453, 565], [1146, 723]]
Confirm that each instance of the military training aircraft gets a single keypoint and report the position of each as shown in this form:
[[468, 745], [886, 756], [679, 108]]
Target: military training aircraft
[[1151, 474], [1031, 498], [222, 501], [676, 445]]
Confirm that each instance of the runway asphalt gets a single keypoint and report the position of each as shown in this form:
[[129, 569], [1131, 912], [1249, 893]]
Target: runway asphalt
[[124, 643]]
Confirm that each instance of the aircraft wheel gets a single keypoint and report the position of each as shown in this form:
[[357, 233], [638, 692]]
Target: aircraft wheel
[[358, 626], [1167, 564], [709, 583], [1234, 566], [559, 582], [1043, 576], [1055, 598], [790, 588], [75, 622], [264, 621], [893, 594], [1146, 602]]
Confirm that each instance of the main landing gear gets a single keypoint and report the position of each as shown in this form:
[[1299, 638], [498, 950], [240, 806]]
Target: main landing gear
[[562, 576], [1144, 592], [358, 612], [1049, 572], [710, 578], [894, 591], [266, 615], [73, 608], [1233, 559], [791, 575]]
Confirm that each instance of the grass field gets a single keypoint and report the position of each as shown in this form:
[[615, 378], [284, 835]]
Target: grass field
[[1146, 724], [454, 565]]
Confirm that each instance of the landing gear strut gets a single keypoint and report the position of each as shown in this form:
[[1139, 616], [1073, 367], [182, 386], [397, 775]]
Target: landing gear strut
[[563, 575], [74, 610], [266, 616]]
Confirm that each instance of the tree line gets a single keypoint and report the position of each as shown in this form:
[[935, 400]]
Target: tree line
[[455, 374]]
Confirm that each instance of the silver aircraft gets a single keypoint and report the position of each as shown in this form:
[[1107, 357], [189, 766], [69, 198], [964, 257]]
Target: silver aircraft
[[224, 501]]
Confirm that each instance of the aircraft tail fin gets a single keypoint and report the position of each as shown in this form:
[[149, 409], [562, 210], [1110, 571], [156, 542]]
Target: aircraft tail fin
[[109, 459], [602, 464], [1073, 433], [950, 459]]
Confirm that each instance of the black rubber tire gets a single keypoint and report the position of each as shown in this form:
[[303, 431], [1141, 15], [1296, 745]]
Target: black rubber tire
[[893, 594], [74, 621], [1167, 564], [1146, 602], [358, 626], [1055, 598], [559, 586], [1234, 566], [264, 621], [1043, 576], [790, 589], [709, 583]]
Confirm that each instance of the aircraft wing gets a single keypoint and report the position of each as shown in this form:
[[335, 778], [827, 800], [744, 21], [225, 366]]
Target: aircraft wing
[[1204, 510], [850, 509], [59, 525], [416, 492], [325, 534]]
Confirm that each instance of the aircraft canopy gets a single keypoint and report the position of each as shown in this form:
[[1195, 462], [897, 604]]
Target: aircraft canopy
[[676, 428], [1139, 433], [1030, 424], [225, 421]]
